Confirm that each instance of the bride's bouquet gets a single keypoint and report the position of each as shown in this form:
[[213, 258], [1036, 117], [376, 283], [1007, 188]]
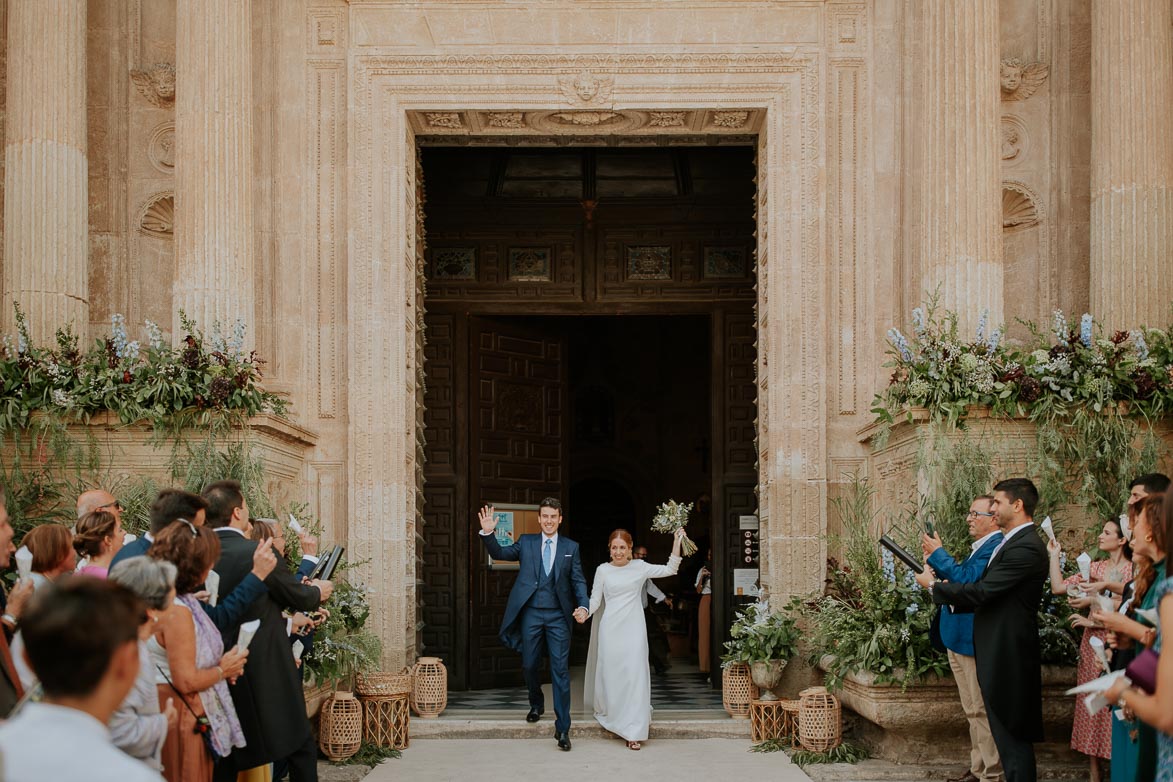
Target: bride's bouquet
[[672, 516]]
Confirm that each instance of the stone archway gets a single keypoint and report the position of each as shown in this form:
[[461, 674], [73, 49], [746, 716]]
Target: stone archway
[[777, 96]]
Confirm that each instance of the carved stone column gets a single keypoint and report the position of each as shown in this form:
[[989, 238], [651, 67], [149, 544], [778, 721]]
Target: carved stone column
[[954, 224], [46, 226], [213, 164], [1132, 163]]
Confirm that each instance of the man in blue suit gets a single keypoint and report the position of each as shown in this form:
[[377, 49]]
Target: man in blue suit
[[550, 590], [957, 634]]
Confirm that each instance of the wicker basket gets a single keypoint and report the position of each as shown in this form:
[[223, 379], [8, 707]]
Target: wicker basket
[[820, 723], [341, 726], [737, 690], [386, 720], [429, 692], [383, 685]]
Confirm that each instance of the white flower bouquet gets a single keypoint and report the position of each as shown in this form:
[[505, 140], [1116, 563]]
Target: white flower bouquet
[[672, 516]]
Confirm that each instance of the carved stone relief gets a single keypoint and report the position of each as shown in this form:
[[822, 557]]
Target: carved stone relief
[[1015, 141], [677, 122], [1019, 207], [586, 89], [512, 120], [157, 216], [1021, 80], [156, 84], [729, 119], [444, 119], [161, 148]]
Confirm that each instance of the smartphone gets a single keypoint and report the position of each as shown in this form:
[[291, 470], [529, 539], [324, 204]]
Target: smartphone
[[930, 530]]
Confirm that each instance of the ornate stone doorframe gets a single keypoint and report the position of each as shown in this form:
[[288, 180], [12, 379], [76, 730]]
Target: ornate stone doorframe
[[394, 98]]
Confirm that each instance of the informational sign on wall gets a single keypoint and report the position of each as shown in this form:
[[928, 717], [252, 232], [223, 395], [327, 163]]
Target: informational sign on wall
[[513, 521], [749, 527], [745, 582]]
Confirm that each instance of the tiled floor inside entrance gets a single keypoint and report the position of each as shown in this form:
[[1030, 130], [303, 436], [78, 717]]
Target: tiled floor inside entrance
[[682, 688]]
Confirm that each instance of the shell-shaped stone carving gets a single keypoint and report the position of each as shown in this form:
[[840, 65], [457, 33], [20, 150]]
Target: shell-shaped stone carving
[[157, 217], [1019, 210]]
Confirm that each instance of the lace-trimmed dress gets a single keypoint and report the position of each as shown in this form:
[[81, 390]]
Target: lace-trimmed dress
[[618, 686]]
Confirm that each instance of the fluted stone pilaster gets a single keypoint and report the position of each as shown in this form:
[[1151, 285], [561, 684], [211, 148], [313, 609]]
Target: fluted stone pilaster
[[213, 168], [46, 228], [1132, 163], [955, 218]]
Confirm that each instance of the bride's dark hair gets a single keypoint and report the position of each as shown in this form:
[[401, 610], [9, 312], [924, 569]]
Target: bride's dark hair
[[623, 534]]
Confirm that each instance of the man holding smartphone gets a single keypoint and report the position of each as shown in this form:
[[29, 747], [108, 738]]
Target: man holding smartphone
[[956, 631]]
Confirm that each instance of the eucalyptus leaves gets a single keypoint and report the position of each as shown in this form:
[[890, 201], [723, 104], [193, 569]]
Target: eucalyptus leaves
[[672, 516], [760, 634]]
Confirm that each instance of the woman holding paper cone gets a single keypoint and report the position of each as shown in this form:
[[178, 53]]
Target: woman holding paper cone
[[53, 554], [1092, 733], [190, 654]]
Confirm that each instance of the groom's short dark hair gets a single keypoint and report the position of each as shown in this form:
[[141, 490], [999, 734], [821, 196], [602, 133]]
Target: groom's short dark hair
[[550, 502]]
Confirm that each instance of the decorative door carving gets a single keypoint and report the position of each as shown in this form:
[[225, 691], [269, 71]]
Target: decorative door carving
[[517, 425]]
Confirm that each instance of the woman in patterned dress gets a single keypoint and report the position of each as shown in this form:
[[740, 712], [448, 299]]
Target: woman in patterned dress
[[1092, 733]]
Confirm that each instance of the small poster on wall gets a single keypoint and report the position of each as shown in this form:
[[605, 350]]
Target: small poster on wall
[[745, 582], [504, 529]]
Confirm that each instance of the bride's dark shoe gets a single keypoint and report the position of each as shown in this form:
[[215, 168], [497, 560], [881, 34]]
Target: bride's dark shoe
[[534, 715], [564, 741]]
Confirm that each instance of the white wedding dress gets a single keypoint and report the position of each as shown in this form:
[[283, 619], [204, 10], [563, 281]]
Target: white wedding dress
[[618, 686]]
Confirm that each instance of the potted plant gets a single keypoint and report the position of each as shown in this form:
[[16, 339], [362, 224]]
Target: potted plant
[[763, 639]]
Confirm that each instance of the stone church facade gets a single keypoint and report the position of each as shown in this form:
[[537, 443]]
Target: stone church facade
[[259, 159]]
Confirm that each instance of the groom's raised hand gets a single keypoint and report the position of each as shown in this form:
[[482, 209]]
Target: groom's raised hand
[[487, 518]]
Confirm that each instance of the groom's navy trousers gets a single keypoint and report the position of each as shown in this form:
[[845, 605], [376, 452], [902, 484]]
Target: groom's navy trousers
[[544, 625]]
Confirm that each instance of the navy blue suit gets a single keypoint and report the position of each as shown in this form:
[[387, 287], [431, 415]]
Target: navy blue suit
[[542, 606], [135, 548]]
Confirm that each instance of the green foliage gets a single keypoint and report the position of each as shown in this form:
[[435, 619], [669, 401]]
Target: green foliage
[[869, 619], [844, 753], [196, 464], [759, 634], [369, 755], [770, 745], [342, 646], [1058, 643]]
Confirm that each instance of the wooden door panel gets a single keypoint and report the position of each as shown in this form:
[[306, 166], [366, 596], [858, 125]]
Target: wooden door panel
[[518, 455]]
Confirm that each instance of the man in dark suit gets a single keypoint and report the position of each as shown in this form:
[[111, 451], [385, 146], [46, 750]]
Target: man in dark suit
[[268, 695], [10, 689], [169, 506], [1005, 604], [550, 589]]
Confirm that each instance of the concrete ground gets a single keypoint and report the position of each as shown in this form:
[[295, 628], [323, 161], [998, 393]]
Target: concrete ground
[[591, 760]]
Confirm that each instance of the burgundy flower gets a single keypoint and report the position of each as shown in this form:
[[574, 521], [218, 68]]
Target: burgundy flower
[[1029, 389], [126, 376], [220, 390], [1119, 337]]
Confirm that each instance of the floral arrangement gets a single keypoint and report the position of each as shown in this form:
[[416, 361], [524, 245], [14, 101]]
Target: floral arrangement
[[342, 646], [672, 516], [169, 386], [1052, 373], [759, 634]]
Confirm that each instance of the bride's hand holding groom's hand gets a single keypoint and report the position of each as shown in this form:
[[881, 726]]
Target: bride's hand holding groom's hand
[[581, 615]]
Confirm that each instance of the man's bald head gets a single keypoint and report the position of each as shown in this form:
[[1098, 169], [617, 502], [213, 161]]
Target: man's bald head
[[98, 499]]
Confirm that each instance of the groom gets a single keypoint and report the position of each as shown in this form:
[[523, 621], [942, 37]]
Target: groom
[[541, 605]]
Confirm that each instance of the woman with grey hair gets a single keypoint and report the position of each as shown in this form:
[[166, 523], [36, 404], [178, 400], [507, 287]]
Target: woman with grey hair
[[138, 728]]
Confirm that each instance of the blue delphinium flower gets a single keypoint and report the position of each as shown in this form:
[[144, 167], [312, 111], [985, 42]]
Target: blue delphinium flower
[[899, 341], [124, 347], [994, 340], [1060, 326], [236, 344], [1142, 348], [154, 335], [888, 565], [1085, 330], [22, 344], [983, 322], [918, 322], [912, 609]]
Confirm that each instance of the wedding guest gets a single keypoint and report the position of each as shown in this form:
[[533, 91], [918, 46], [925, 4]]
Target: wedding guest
[[1091, 734], [138, 727], [657, 641], [11, 689], [1149, 546], [169, 506], [53, 554], [704, 588], [81, 639], [193, 666], [1144, 485], [1156, 710], [98, 537], [99, 499], [956, 631]]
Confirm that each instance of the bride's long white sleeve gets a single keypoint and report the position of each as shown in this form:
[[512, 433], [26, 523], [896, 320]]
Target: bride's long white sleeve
[[660, 571], [596, 591]]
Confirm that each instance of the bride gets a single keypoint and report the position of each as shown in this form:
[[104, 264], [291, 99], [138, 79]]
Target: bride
[[618, 685]]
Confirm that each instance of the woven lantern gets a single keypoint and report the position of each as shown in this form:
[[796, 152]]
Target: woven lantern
[[737, 690], [340, 726], [820, 724], [383, 685], [429, 692]]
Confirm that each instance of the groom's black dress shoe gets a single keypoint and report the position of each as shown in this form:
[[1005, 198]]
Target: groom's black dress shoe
[[563, 741], [534, 715]]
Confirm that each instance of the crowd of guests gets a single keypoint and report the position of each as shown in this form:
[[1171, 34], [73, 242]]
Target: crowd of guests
[[130, 653], [987, 620]]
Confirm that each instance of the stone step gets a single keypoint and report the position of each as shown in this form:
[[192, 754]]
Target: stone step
[[485, 724]]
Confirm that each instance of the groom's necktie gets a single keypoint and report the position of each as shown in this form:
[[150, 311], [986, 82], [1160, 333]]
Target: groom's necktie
[[547, 557]]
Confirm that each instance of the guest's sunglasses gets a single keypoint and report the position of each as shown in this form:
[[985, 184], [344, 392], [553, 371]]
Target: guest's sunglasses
[[116, 505], [988, 515]]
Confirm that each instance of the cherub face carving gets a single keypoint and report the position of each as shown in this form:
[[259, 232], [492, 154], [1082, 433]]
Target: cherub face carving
[[1011, 76], [586, 87]]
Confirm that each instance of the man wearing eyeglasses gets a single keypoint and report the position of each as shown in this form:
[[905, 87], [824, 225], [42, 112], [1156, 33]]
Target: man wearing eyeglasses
[[99, 499], [956, 630]]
